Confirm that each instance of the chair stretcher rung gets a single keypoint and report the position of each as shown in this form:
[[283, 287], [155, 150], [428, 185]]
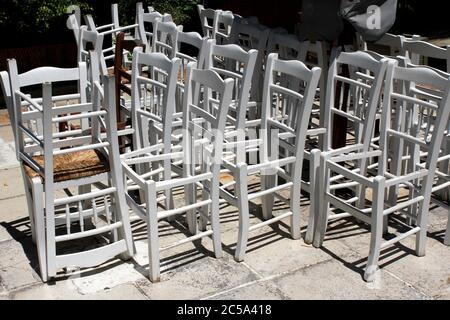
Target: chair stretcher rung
[[169, 213], [92, 257], [187, 240], [400, 237], [90, 233], [268, 191], [270, 221], [83, 197], [403, 205]]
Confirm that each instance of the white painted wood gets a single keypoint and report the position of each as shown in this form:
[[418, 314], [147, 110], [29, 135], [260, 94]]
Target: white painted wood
[[409, 147], [190, 179], [43, 187], [283, 108]]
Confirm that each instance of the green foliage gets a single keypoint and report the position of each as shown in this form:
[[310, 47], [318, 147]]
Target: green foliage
[[35, 15], [181, 10]]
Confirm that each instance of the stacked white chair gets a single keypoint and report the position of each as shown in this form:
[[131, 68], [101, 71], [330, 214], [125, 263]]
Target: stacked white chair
[[206, 180], [284, 123], [416, 141], [55, 160], [360, 110]]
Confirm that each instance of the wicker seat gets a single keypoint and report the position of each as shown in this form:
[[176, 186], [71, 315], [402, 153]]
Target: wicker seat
[[74, 165]]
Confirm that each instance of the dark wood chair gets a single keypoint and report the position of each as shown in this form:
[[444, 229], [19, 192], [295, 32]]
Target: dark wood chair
[[123, 79]]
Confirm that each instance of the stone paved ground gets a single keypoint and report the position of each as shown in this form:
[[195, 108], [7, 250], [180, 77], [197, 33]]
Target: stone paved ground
[[275, 267]]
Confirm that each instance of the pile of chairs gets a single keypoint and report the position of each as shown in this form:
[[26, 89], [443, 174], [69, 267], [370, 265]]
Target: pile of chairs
[[175, 110]]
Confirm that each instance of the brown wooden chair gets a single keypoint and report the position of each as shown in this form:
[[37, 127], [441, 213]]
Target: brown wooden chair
[[123, 79]]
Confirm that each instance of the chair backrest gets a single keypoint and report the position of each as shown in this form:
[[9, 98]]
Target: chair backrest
[[420, 51], [146, 26], [287, 108], [287, 46], [252, 36], [165, 38], [208, 20], [364, 95], [153, 95], [114, 20], [74, 23], [224, 24], [45, 110], [121, 74], [111, 30], [24, 83], [390, 44], [231, 61], [91, 40], [188, 41], [413, 126], [191, 48], [211, 108]]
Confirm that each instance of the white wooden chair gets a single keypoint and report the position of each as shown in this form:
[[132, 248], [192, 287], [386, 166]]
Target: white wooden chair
[[153, 109], [284, 124], [207, 179], [224, 24], [63, 160], [209, 21], [416, 129], [187, 42], [419, 53], [286, 45], [442, 180], [392, 42], [165, 38], [360, 112], [111, 29], [231, 61], [74, 23], [191, 47], [252, 36], [91, 41], [146, 26]]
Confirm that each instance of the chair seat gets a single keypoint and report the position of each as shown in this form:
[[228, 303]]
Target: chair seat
[[73, 166]]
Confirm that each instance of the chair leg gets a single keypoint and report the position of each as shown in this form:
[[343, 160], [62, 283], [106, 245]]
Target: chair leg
[[376, 230], [152, 233], [215, 207], [447, 233], [31, 213], [296, 212], [385, 225], [38, 211], [314, 163], [203, 221], [422, 223], [324, 206], [243, 207], [268, 181], [191, 215]]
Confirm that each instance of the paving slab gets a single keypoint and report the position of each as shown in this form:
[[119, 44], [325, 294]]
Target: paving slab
[[18, 276], [6, 133], [332, 280], [430, 274], [105, 277], [11, 183], [266, 290], [14, 220], [198, 279], [66, 290], [18, 263]]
